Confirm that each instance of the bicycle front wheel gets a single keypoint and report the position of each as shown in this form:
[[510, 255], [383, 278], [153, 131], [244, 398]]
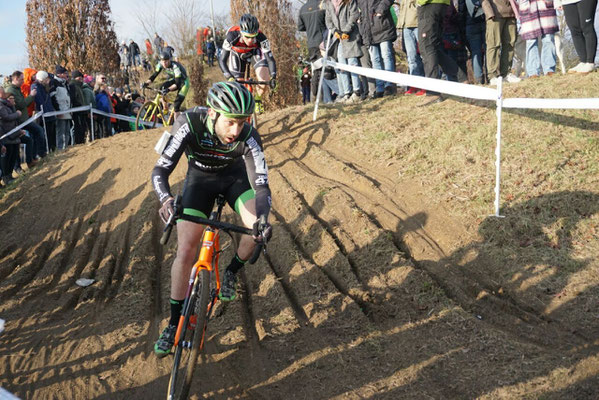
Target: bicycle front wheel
[[148, 113], [191, 340]]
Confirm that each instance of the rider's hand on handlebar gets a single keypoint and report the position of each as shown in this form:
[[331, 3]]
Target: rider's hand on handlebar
[[164, 91], [167, 210], [262, 231]]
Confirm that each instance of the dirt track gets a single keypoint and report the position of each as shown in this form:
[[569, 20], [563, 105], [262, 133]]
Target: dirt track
[[360, 296]]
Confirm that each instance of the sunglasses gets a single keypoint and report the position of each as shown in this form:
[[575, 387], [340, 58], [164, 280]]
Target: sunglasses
[[249, 35]]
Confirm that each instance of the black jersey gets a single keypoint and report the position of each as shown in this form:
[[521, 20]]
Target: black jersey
[[193, 135]]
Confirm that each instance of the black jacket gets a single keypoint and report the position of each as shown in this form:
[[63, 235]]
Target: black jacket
[[312, 21], [374, 29]]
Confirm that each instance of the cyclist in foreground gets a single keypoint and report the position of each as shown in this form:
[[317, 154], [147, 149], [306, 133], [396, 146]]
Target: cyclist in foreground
[[177, 78], [224, 156], [244, 44]]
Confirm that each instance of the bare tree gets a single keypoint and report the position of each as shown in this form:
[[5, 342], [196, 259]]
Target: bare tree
[[77, 34], [150, 16]]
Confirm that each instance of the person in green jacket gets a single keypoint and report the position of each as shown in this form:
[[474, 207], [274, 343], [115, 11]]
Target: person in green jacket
[[36, 132]]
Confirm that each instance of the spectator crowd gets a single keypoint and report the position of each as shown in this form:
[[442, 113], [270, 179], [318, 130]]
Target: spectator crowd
[[25, 93], [468, 41]]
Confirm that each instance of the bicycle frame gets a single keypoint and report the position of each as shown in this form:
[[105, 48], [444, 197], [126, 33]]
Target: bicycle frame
[[152, 110], [207, 260]]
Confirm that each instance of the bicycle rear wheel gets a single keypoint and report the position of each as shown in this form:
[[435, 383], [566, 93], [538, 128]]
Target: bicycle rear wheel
[[149, 112], [191, 340]]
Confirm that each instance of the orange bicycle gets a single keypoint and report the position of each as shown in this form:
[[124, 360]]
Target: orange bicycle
[[201, 295]]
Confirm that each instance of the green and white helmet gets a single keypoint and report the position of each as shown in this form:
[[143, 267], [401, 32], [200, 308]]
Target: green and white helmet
[[231, 100]]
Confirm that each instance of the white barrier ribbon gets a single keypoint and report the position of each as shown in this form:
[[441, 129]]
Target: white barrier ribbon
[[581, 104], [430, 84], [21, 126], [72, 110], [125, 118]]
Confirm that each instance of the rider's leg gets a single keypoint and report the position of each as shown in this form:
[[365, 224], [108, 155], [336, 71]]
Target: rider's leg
[[188, 239], [247, 211], [263, 74]]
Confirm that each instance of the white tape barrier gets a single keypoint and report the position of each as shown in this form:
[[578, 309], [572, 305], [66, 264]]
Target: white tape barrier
[[72, 110], [581, 104], [24, 124], [125, 118], [5, 395], [430, 84]]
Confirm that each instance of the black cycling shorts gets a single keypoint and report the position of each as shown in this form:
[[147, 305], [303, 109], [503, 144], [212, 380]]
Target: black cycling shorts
[[201, 189], [237, 62]]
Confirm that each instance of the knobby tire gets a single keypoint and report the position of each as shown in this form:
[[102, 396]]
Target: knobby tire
[[149, 112], [186, 359]]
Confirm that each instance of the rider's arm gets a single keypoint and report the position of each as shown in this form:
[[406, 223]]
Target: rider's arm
[[223, 61], [270, 59], [257, 170], [156, 72], [170, 157]]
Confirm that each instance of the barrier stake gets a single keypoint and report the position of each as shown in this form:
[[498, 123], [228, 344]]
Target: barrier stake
[[45, 131], [91, 117], [324, 63], [498, 146]]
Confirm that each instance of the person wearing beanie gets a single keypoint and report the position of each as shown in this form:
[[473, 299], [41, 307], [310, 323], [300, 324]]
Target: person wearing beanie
[[43, 102], [78, 100]]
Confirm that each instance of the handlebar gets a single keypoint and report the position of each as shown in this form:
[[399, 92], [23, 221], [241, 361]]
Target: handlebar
[[252, 82], [261, 245]]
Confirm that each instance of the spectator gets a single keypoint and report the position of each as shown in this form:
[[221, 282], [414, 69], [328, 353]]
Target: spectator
[[430, 28], [62, 102], [407, 21], [124, 55], [29, 79], [36, 132], [311, 20], [538, 20], [158, 44], [122, 107], [500, 39], [454, 39], [210, 51], [9, 119], [103, 103], [342, 19], [580, 18], [305, 83], [43, 102], [149, 50], [472, 16], [378, 34], [170, 50], [89, 98], [134, 53], [78, 100]]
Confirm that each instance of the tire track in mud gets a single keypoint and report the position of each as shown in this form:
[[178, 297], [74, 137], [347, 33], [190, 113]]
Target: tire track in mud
[[327, 227], [468, 293], [337, 282], [115, 278], [10, 267], [298, 310], [88, 244], [30, 270]]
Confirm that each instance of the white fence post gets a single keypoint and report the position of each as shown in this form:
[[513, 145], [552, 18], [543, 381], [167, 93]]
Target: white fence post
[[45, 131], [498, 145], [91, 117]]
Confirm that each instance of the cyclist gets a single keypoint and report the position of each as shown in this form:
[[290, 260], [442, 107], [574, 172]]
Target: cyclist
[[245, 43], [224, 156], [177, 78]]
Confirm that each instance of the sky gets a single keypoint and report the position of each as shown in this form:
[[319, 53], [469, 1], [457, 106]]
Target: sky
[[13, 49]]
